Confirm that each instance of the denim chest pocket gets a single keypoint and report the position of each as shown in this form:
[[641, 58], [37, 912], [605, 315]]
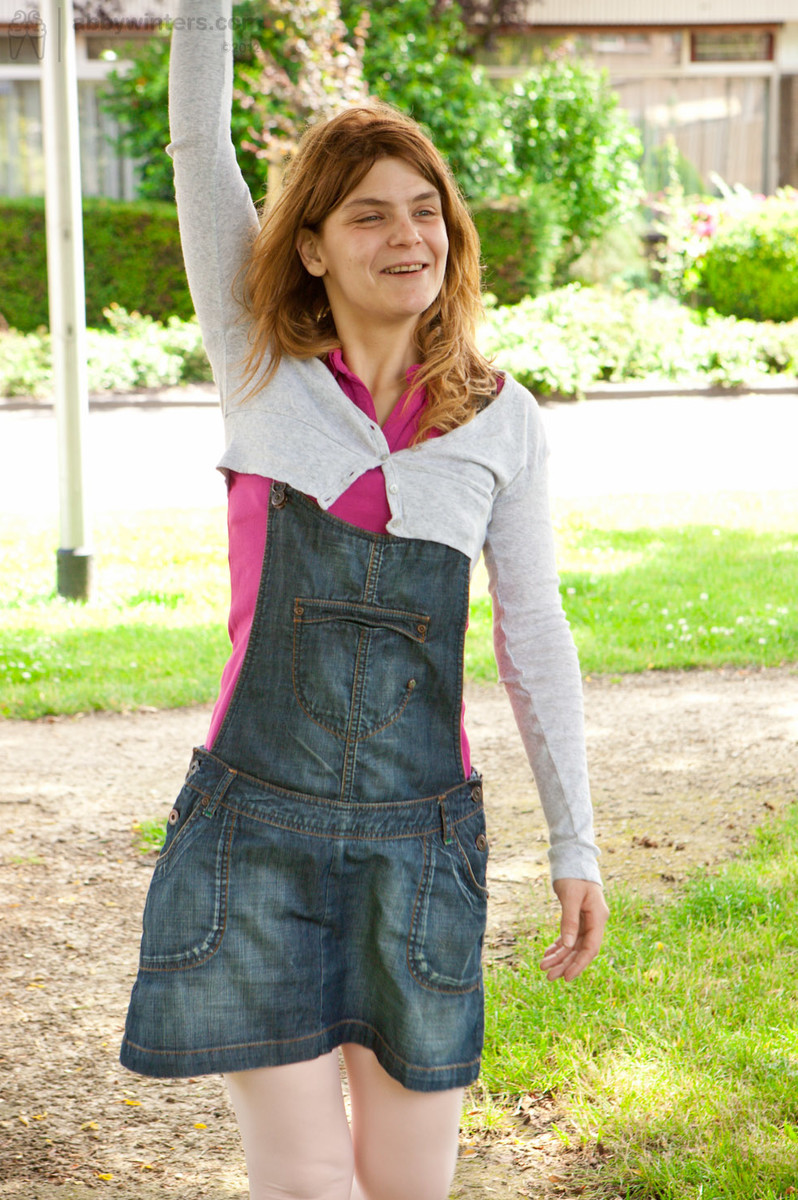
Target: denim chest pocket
[[356, 663], [444, 949], [186, 908]]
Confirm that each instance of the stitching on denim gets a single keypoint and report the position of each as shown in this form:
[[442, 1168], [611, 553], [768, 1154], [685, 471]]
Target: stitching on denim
[[339, 836], [482, 890], [306, 1037], [360, 608], [268, 787], [316, 717], [411, 950], [346, 834], [216, 945], [166, 854]]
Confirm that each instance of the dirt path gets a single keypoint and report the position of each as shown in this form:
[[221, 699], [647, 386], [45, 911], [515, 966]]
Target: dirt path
[[683, 767]]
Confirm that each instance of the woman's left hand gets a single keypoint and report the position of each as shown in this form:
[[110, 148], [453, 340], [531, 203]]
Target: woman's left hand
[[584, 915]]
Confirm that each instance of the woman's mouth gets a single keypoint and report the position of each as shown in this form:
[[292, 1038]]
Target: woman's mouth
[[404, 269]]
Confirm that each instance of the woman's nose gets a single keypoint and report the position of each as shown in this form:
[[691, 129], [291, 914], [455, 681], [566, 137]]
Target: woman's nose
[[404, 232]]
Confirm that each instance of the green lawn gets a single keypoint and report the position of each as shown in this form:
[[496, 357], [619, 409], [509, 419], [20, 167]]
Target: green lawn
[[686, 586], [677, 1051]]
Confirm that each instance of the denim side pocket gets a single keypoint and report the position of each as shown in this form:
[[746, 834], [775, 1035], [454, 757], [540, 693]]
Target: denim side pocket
[[186, 908], [449, 915]]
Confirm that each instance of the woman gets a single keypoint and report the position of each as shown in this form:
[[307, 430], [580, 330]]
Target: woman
[[322, 883]]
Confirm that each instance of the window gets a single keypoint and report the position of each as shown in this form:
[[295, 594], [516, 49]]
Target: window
[[730, 45]]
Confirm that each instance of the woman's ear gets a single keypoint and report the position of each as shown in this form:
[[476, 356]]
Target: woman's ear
[[309, 251]]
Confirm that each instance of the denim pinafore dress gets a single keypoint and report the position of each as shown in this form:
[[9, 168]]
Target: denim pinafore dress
[[323, 875]]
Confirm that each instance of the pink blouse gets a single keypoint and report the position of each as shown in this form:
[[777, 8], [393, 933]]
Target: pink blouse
[[363, 504]]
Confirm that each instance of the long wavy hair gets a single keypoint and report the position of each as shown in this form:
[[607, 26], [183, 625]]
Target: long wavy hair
[[288, 307]]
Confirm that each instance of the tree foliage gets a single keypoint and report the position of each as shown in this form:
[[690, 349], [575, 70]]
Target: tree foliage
[[417, 56], [291, 61], [569, 134], [136, 96], [556, 138], [307, 70]]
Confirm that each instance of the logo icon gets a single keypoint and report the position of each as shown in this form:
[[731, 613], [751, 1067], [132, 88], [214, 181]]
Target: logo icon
[[26, 27]]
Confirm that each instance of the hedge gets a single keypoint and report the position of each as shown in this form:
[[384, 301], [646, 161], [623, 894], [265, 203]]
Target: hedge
[[132, 255]]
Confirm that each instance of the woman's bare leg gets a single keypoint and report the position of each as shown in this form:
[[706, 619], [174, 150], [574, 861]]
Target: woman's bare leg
[[405, 1142], [294, 1129]]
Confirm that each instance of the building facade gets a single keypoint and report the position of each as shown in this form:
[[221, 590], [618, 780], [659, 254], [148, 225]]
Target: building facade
[[102, 37]]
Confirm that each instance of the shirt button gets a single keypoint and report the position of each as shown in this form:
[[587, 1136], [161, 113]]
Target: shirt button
[[393, 489], [384, 458], [396, 521]]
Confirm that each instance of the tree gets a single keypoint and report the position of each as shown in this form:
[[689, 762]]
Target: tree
[[136, 97], [291, 61], [568, 134], [417, 57]]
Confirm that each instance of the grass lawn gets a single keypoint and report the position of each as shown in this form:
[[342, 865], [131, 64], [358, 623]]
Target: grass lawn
[[645, 587], [677, 1052]]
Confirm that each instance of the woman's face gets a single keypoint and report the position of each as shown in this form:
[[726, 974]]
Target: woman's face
[[382, 253]]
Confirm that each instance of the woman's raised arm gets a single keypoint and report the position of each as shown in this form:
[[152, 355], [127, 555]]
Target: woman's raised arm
[[217, 217]]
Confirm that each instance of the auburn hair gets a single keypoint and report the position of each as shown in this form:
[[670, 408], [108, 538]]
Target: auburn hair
[[288, 306]]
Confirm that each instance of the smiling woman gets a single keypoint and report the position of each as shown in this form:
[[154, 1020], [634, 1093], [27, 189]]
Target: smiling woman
[[368, 193], [323, 879], [382, 259]]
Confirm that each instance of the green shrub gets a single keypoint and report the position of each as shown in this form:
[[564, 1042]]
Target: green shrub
[[570, 339], [520, 241], [750, 268], [132, 258], [25, 364], [135, 352], [570, 134]]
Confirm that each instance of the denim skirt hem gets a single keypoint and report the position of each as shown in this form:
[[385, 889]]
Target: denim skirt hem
[[279, 926], [220, 1060]]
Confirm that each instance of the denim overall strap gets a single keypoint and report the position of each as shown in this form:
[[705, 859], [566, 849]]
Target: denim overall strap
[[351, 687]]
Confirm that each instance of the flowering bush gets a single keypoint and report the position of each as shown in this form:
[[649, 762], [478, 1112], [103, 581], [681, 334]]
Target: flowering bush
[[685, 226], [734, 253]]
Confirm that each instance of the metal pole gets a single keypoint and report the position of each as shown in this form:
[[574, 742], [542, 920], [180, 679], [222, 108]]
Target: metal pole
[[66, 290]]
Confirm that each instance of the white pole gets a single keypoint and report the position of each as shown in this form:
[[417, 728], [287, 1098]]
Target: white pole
[[66, 289]]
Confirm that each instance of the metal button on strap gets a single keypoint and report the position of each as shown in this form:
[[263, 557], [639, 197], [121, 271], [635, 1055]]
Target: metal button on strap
[[476, 794], [481, 842], [173, 817]]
